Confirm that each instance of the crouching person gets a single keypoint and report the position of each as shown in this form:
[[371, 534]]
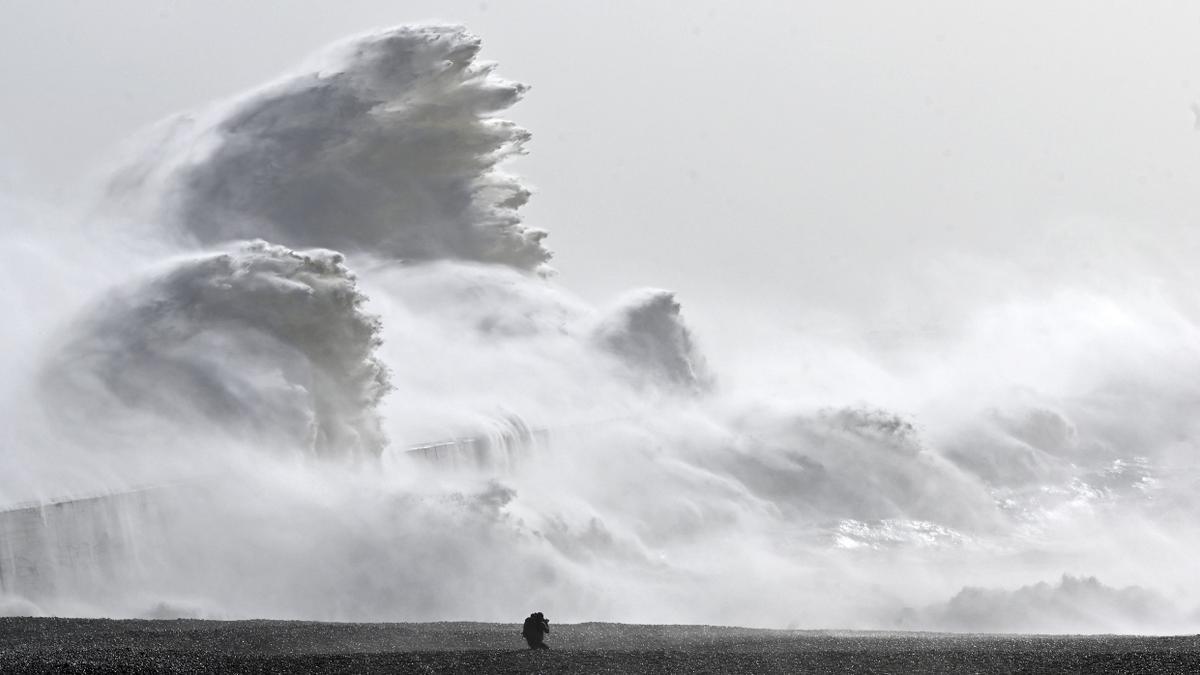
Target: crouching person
[[535, 630]]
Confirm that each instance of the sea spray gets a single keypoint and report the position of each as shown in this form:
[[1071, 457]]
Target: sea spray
[[386, 144], [256, 341], [247, 381]]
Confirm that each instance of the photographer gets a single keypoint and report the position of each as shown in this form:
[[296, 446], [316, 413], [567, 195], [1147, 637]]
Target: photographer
[[535, 630]]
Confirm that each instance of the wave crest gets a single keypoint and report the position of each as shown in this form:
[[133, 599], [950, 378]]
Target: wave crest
[[257, 339], [386, 142]]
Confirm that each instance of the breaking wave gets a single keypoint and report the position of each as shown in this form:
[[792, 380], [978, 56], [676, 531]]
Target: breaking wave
[[1073, 605], [646, 331], [313, 366], [386, 143], [259, 340]]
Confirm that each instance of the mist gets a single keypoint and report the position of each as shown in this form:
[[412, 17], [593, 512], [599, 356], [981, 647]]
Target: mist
[[301, 356]]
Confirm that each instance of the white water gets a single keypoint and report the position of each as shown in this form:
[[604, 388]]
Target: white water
[[251, 403]]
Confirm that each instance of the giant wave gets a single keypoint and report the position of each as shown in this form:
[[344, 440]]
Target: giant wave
[[332, 270]]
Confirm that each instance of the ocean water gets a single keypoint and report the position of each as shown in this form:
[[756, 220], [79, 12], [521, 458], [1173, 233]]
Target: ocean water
[[304, 359]]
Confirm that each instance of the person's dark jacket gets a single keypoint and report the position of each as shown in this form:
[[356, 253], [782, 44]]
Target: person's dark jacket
[[535, 629]]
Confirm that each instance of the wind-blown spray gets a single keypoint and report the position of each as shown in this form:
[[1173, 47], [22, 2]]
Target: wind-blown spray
[[331, 270]]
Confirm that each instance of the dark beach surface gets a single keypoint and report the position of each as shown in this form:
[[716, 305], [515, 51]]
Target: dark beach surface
[[48, 645]]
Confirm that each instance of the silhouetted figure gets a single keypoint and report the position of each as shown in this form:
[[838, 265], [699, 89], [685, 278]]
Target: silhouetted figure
[[535, 630]]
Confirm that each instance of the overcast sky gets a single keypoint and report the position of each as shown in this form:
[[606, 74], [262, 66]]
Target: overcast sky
[[782, 155]]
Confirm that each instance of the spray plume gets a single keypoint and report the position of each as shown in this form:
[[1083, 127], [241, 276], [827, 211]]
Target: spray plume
[[334, 273], [385, 143]]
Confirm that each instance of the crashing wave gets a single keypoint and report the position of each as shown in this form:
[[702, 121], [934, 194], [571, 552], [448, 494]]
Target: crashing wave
[[622, 503], [387, 144], [855, 463], [258, 339], [646, 332], [1074, 605]]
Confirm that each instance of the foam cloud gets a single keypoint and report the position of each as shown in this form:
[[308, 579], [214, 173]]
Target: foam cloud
[[386, 142], [1073, 605], [647, 333], [258, 339]]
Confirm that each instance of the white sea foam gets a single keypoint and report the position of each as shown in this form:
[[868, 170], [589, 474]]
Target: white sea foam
[[316, 276], [386, 143]]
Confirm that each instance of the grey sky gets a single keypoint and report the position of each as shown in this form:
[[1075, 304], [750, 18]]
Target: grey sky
[[765, 155]]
